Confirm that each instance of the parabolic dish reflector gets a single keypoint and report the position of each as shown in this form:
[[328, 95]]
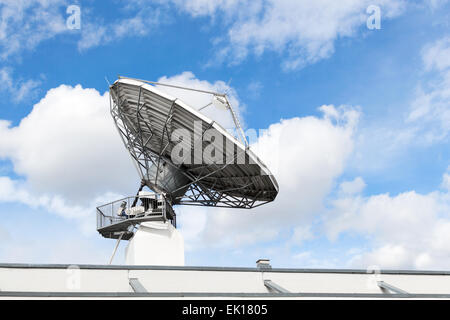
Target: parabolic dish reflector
[[185, 155]]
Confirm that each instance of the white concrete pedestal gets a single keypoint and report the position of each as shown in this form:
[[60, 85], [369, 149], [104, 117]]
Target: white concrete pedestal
[[155, 243]]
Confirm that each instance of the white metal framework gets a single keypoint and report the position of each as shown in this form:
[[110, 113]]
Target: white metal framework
[[146, 118]]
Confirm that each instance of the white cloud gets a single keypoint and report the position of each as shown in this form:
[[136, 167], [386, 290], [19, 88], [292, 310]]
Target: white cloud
[[4, 235], [254, 89], [12, 191], [409, 230], [302, 257], [62, 244], [95, 32], [93, 35], [389, 256], [68, 146], [192, 221], [305, 30], [437, 55], [18, 89], [302, 233], [352, 187], [435, 4], [26, 23], [430, 110], [446, 180]]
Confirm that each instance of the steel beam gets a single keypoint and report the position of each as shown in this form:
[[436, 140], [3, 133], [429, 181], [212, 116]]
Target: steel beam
[[275, 287], [137, 286]]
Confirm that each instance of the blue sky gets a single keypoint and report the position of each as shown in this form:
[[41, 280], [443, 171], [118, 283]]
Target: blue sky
[[371, 183]]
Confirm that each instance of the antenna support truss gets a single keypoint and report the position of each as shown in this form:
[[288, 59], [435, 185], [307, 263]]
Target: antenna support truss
[[223, 95]]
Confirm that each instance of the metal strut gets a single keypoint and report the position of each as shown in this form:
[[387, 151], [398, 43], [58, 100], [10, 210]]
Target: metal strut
[[137, 194], [223, 95], [115, 248]]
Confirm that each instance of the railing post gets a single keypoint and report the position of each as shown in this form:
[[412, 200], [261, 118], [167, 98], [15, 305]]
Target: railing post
[[164, 207]]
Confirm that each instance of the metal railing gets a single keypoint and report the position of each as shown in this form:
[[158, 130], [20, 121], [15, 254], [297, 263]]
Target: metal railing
[[136, 208]]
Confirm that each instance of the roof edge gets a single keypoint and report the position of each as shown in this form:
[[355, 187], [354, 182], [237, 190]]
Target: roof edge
[[211, 268]]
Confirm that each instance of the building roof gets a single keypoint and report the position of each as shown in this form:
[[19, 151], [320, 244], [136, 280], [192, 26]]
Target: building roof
[[109, 281]]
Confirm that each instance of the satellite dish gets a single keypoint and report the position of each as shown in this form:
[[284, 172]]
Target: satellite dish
[[146, 119], [213, 168]]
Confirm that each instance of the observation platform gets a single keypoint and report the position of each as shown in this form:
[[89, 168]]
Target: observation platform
[[117, 219]]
